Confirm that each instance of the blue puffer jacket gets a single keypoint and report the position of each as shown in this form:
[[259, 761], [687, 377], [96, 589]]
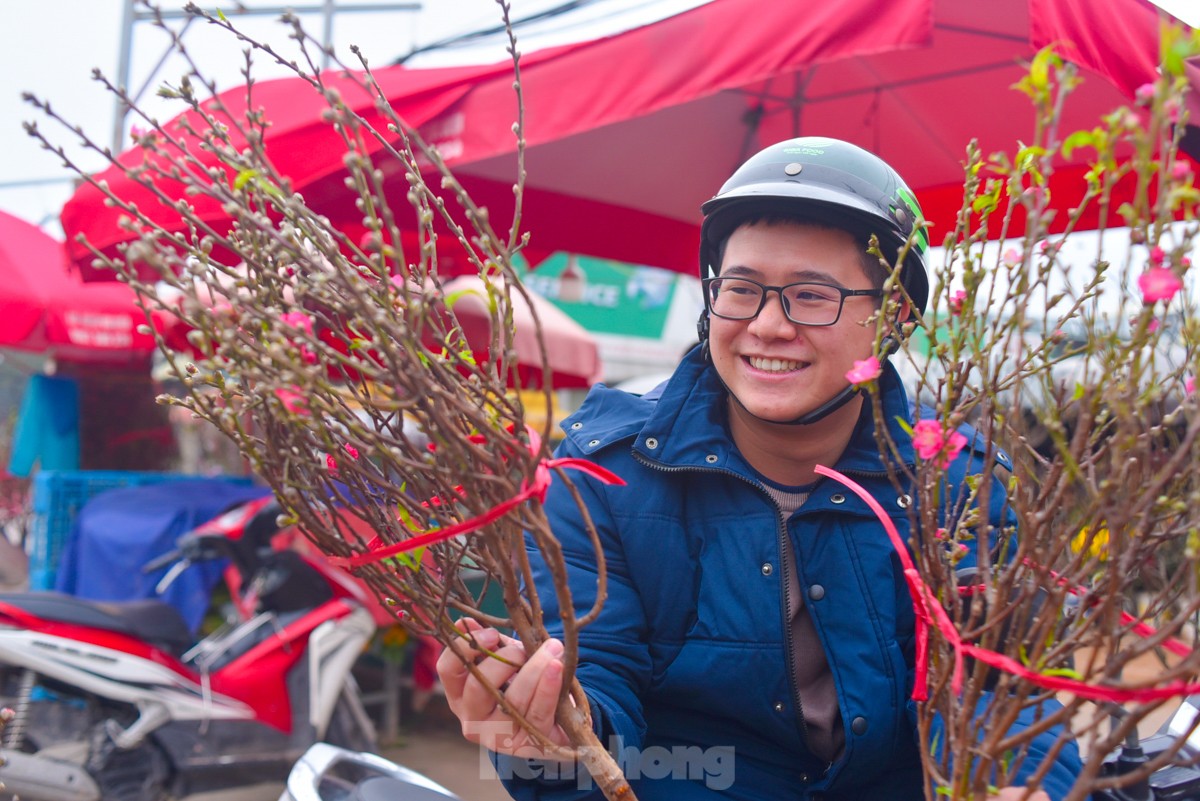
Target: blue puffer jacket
[[687, 665]]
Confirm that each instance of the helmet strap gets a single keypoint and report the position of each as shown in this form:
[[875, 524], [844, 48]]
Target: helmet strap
[[887, 347]]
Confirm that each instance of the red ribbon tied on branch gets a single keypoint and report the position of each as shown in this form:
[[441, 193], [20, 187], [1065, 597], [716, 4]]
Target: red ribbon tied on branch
[[929, 612], [537, 488]]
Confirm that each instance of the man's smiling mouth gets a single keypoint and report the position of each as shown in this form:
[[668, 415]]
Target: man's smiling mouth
[[773, 365]]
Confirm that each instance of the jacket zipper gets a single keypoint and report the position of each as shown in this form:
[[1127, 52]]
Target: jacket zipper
[[784, 566], [787, 561]]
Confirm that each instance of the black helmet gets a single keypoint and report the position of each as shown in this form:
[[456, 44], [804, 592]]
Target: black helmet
[[831, 182]]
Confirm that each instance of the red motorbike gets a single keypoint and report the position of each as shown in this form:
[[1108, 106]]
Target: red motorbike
[[118, 701]]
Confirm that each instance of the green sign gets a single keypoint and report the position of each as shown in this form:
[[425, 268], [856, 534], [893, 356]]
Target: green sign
[[606, 297]]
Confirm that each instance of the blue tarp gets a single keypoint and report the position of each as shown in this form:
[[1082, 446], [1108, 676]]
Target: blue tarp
[[120, 530], [47, 431]]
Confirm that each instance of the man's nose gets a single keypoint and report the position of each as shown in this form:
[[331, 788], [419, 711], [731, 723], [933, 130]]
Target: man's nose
[[772, 322]]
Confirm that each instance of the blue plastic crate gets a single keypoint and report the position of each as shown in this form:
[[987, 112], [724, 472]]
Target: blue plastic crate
[[58, 495]]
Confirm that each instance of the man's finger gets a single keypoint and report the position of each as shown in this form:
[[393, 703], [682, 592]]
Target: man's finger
[[541, 709], [451, 668], [525, 685], [495, 668]]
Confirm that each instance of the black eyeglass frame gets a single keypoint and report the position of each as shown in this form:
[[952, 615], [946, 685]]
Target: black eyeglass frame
[[766, 290]]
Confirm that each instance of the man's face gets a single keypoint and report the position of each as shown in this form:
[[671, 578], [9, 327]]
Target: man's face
[[777, 369]]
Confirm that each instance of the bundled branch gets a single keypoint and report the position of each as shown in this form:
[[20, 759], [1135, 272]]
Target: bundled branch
[[341, 371], [1078, 375]]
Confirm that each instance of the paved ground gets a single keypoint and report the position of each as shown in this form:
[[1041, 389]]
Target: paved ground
[[430, 742]]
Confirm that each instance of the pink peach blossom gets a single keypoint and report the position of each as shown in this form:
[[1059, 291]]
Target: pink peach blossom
[[863, 371], [1158, 283], [297, 320], [932, 442], [1171, 107], [1189, 385], [957, 300]]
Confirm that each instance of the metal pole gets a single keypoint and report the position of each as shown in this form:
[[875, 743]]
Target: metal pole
[[123, 57], [256, 11], [326, 33], [130, 17]]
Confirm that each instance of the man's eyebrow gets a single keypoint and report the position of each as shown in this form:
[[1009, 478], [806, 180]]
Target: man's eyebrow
[[799, 276]]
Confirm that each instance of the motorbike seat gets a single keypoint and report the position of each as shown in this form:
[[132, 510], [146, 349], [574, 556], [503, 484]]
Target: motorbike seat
[[152, 621]]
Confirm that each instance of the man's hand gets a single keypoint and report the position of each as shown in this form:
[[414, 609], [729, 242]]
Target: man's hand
[[530, 685]]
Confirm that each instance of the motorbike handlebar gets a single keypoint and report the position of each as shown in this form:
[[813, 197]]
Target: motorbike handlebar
[[162, 561]]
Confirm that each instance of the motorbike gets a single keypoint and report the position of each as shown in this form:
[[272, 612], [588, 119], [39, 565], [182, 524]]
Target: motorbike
[[329, 773], [1178, 781], [118, 701]]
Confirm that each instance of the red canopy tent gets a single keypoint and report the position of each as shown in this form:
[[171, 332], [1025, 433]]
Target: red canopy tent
[[44, 308], [629, 134]]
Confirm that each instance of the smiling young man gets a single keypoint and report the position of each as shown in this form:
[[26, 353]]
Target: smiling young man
[[757, 639]]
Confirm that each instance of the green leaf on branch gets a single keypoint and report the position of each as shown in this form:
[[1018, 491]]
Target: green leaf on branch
[[1177, 48], [1036, 82], [1077, 140], [412, 559], [987, 202], [244, 177], [1064, 673]]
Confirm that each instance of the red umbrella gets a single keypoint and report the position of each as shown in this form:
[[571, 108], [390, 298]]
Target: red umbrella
[[629, 134], [572, 353], [45, 308]]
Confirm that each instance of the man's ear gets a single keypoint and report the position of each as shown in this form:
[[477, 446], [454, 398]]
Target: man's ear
[[905, 312]]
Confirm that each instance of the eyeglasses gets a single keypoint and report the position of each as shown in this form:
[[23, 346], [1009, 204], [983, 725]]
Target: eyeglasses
[[803, 303]]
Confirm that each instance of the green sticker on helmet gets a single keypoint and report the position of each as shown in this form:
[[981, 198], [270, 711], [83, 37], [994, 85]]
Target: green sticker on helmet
[[922, 242]]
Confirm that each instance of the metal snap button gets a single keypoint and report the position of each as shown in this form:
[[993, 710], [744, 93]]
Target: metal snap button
[[816, 592], [711, 458], [767, 568], [593, 443], [904, 501], [576, 426], [779, 706], [651, 443], [859, 725], [837, 497]]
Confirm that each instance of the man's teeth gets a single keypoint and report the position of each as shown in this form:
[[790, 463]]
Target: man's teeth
[[773, 365]]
